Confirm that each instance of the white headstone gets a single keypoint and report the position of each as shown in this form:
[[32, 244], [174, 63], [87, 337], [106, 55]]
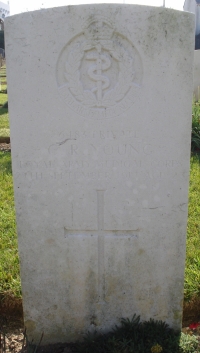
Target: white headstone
[[100, 110]]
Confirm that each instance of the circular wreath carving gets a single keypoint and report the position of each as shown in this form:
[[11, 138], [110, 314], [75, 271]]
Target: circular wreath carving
[[87, 97]]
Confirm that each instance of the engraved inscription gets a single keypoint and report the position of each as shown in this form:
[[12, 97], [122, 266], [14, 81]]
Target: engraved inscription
[[111, 163], [128, 149], [109, 169], [99, 72]]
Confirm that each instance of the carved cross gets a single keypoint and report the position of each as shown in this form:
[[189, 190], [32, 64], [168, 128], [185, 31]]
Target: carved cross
[[101, 233]]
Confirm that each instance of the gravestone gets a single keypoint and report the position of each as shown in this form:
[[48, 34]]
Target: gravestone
[[100, 113]]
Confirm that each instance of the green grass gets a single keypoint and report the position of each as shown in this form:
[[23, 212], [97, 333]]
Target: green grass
[[4, 132], [9, 263], [3, 98], [192, 271], [3, 81], [196, 126], [4, 120]]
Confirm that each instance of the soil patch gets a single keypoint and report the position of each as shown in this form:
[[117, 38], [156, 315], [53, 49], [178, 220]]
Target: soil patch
[[5, 144], [191, 311]]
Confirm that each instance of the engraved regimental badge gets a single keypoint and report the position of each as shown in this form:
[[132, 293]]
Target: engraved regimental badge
[[99, 72]]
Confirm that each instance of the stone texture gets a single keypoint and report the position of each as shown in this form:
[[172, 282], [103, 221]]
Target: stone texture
[[100, 110]]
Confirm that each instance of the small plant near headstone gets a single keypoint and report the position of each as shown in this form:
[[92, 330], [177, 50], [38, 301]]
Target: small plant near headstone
[[194, 325], [134, 336], [189, 344], [30, 347], [156, 348]]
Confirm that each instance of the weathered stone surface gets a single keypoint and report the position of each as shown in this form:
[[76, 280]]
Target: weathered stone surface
[[100, 109]]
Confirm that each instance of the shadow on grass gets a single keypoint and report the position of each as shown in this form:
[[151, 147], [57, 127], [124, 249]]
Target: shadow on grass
[[3, 111], [196, 154], [5, 163]]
